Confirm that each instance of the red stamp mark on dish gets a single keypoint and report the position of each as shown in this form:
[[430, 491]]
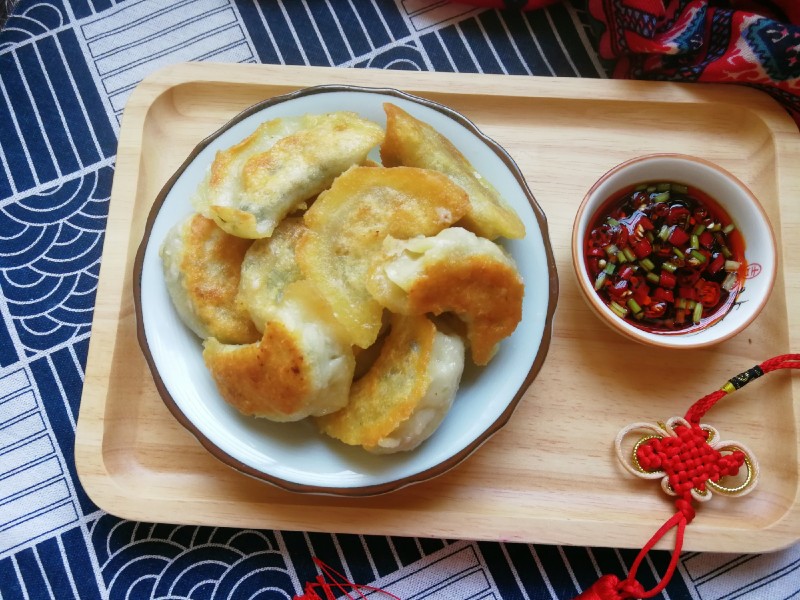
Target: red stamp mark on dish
[[753, 270]]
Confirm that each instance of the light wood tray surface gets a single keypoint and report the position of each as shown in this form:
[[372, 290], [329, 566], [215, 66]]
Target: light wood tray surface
[[550, 476]]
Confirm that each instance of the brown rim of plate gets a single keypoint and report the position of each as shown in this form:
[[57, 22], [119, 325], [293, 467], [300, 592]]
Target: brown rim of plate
[[389, 486]]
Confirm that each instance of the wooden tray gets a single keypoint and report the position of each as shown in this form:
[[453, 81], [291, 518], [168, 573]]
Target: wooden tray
[[550, 475]]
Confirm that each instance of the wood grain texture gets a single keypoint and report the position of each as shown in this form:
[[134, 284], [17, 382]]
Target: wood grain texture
[[550, 475]]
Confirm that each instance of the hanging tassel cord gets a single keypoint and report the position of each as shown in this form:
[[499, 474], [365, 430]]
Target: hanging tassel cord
[[610, 587], [331, 580], [699, 408]]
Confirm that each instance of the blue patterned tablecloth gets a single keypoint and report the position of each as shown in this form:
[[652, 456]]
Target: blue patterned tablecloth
[[66, 70]]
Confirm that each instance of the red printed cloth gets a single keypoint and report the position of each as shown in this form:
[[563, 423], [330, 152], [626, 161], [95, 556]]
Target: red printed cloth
[[747, 42]]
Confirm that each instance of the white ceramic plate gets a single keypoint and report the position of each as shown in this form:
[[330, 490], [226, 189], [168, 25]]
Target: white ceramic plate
[[295, 456]]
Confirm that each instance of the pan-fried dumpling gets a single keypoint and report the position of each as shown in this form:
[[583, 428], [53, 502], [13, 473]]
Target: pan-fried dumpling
[[201, 268], [251, 186], [347, 225], [454, 271], [406, 394], [269, 266], [414, 143], [301, 366]]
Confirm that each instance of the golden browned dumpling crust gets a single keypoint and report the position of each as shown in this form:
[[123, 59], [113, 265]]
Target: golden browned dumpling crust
[[347, 225], [301, 366], [253, 185], [406, 393], [454, 271], [269, 266], [266, 379], [202, 264], [413, 143]]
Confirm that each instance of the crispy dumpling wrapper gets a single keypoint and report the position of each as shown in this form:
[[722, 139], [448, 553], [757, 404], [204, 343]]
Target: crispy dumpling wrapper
[[347, 225], [454, 271], [407, 392], [414, 143], [254, 184], [269, 266], [302, 365], [201, 266]]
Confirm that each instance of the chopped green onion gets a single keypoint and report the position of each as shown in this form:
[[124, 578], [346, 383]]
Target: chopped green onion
[[620, 311], [698, 255], [728, 228], [663, 187], [664, 233], [732, 265], [698, 312], [676, 251], [699, 228], [601, 279], [641, 188], [634, 306], [611, 250], [647, 264], [610, 267], [679, 188], [612, 221], [653, 277], [668, 266], [694, 241], [629, 254], [730, 282], [660, 197]]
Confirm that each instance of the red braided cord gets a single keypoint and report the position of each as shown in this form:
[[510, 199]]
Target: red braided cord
[[337, 582], [678, 520], [786, 361], [609, 587], [699, 408]]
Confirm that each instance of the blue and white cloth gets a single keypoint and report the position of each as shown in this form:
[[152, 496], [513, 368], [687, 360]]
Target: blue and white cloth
[[66, 70]]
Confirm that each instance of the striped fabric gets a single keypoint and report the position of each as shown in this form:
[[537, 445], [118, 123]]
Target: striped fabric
[[66, 70]]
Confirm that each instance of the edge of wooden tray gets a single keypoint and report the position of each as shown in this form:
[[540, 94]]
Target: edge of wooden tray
[[113, 496]]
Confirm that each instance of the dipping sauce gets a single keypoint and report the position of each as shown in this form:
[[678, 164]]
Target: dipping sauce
[[665, 257]]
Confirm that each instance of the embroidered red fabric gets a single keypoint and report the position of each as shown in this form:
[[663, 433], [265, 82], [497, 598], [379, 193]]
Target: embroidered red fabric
[[746, 42]]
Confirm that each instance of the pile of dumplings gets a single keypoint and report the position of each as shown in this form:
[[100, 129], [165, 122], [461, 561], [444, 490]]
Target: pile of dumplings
[[327, 286]]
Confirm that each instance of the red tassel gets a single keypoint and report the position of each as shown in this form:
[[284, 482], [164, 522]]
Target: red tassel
[[609, 587], [604, 588], [337, 582]]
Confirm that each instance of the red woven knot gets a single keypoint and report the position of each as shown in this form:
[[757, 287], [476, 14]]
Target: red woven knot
[[686, 508], [605, 588], [630, 589], [687, 460]]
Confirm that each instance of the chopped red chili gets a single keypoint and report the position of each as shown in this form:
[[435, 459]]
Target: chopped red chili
[[659, 253], [708, 293]]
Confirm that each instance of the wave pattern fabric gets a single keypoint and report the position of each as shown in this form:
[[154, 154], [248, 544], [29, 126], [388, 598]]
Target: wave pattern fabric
[[67, 68]]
